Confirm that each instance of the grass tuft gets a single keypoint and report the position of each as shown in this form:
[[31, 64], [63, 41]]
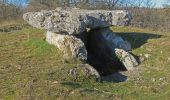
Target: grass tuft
[[39, 47]]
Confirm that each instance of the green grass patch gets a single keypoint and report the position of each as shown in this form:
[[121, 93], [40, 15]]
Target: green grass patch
[[39, 47], [30, 69]]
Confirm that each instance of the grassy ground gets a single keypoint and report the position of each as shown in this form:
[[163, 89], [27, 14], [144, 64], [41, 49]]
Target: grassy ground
[[32, 69]]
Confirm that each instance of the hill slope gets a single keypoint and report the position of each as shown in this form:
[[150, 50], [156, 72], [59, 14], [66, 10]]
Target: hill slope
[[30, 68]]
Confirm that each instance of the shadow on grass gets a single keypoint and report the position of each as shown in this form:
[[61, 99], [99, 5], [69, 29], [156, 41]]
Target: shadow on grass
[[115, 78], [137, 39]]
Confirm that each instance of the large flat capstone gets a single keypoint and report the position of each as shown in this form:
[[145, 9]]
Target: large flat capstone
[[76, 21]]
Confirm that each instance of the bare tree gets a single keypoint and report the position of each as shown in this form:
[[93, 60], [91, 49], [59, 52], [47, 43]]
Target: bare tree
[[10, 10], [149, 3], [112, 3]]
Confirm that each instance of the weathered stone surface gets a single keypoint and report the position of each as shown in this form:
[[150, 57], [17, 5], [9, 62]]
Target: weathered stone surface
[[71, 46], [85, 70], [126, 58], [75, 21]]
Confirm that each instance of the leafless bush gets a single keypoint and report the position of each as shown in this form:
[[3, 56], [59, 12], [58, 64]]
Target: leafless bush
[[9, 11], [156, 19]]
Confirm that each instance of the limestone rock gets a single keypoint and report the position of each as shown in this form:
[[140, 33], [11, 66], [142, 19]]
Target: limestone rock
[[126, 58], [75, 21], [90, 71], [71, 46], [86, 71]]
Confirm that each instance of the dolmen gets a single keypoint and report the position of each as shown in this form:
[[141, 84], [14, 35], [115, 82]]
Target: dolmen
[[86, 35]]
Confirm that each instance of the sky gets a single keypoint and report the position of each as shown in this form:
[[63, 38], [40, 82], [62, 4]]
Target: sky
[[23, 2], [157, 2], [160, 2]]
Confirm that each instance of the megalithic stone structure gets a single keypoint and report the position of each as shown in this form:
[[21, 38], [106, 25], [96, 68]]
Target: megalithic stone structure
[[67, 29]]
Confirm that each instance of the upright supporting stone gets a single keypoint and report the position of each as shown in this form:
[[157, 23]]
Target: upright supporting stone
[[126, 58], [71, 46]]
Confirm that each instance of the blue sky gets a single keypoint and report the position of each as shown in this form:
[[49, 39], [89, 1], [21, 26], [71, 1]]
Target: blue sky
[[160, 2], [157, 2], [23, 2]]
